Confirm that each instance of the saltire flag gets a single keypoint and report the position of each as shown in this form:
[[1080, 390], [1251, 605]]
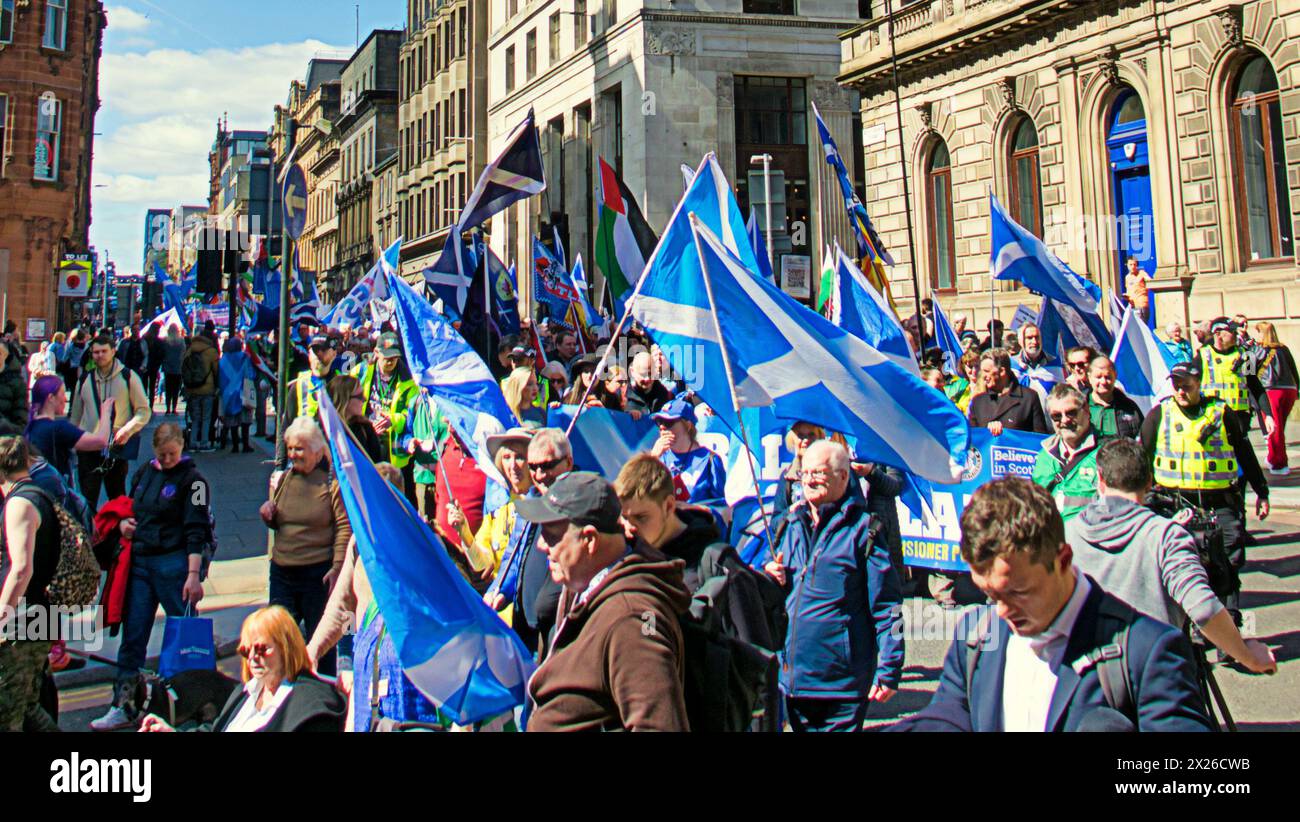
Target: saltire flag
[[353, 308], [456, 378], [624, 240], [515, 174], [1116, 313], [859, 309], [688, 177], [1063, 328], [452, 646], [390, 261], [826, 289], [1141, 363], [784, 355], [166, 320], [871, 251], [759, 244], [1016, 254], [552, 286], [604, 440], [452, 275], [947, 340], [174, 294], [256, 318], [595, 323], [559, 249], [304, 304], [475, 322]]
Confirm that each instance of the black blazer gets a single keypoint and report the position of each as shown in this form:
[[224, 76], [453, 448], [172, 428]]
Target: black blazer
[[313, 705], [1018, 410]]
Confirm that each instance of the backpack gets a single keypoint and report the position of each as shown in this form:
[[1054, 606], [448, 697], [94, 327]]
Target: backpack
[[732, 635], [75, 583], [194, 372], [209, 546], [72, 500]]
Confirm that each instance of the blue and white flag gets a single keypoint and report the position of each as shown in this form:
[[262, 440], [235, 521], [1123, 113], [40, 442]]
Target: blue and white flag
[[391, 261], [456, 378], [759, 244], [166, 320], [304, 304], [552, 286], [452, 646], [175, 294], [354, 308], [1117, 308], [604, 440], [947, 340], [1141, 363], [860, 310], [515, 174], [452, 275], [869, 245], [784, 355], [596, 323], [1063, 328], [505, 292]]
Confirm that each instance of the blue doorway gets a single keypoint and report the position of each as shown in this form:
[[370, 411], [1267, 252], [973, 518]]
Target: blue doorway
[[1130, 174]]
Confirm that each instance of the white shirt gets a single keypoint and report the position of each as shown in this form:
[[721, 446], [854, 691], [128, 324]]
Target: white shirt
[[1029, 679], [248, 718]]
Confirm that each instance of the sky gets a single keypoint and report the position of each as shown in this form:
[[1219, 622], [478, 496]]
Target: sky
[[171, 68]]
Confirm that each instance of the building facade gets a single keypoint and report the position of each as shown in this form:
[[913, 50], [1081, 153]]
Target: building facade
[[386, 215], [243, 196], [1166, 131], [185, 229], [652, 86], [442, 119], [49, 94], [367, 128]]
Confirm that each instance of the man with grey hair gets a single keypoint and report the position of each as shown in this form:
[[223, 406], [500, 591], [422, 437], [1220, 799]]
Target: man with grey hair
[[1178, 347], [842, 651], [1067, 464], [645, 394], [524, 579]]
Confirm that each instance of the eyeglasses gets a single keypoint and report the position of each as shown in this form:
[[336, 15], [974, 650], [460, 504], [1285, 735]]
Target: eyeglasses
[[817, 474], [545, 466], [262, 649], [1069, 413], [1080, 365]]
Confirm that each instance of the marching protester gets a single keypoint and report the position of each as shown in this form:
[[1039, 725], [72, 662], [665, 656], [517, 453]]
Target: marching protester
[[605, 671], [611, 391], [1111, 411], [1031, 661], [199, 378], [302, 397], [172, 357], [345, 394], [132, 351], [554, 382], [1196, 445], [843, 598], [388, 392], [1278, 376], [789, 489], [40, 363], [459, 485], [699, 472], [155, 353], [131, 413], [1066, 464], [311, 530], [581, 375], [1228, 372], [483, 551], [280, 693], [1005, 403], [646, 394], [70, 359], [426, 430], [1035, 367], [1077, 363], [169, 531], [236, 394], [54, 436], [1148, 561], [963, 387]]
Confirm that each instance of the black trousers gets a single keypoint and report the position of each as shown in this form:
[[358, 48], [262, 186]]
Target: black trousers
[[301, 591], [92, 480]]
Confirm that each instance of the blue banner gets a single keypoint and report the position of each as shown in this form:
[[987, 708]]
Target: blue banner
[[937, 543]]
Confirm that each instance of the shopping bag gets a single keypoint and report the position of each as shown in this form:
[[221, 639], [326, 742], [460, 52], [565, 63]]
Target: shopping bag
[[187, 645]]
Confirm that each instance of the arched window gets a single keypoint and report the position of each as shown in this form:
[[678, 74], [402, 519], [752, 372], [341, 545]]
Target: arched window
[[1026, 188], [1259, 166], [943, 250]]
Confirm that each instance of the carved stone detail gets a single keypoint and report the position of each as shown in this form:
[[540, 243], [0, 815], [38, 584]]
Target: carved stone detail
[[726, 90], [670, 41], [1007, 88], [830, 95], [1109, 67], [1230, 20], [926, 112]]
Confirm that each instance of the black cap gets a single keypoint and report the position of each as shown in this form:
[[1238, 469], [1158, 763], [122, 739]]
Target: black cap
[[1185, 370], [323, 340], [580, 497], [390, 345]]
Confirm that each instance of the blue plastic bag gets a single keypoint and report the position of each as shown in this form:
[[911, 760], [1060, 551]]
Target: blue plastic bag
[[187, 645]]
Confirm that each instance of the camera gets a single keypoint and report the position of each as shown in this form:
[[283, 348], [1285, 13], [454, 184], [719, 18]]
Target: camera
[[1204, 527]]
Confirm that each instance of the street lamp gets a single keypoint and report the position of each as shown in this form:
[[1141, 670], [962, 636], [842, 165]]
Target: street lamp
[[766, 160]]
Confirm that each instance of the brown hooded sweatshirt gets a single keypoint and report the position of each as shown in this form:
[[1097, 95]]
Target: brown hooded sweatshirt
[[617, 659]]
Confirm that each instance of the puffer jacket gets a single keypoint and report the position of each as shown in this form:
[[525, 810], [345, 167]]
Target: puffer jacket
[[13, 397], [208, 351], [844, 599]]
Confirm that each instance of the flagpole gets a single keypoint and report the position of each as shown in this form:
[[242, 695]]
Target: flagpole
[[902, 162], [282, 330], [731, 379]]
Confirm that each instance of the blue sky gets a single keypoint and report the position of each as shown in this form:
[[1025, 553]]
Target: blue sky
[[171, 68]]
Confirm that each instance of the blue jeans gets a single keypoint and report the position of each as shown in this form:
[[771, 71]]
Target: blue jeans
[[200, 419], [154, 580], [813, 715], [301, 591]]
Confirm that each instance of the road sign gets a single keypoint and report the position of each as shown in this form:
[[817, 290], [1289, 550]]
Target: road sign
[[295, 202]]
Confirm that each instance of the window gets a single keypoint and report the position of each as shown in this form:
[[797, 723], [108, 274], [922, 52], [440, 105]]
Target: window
[[579, 22], [4, 130], [555, 39], [464, 120], [770, 6], [6, 21], [462, 36], [49, 115], [530, 55], [864, 9], [510, 69], [512, 8], [1026, 202], [1259, 165], [943, 259], [771, 111], [56, 24], [612, 114]]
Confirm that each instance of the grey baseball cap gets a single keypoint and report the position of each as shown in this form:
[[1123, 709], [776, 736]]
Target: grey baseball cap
[[580, 497]]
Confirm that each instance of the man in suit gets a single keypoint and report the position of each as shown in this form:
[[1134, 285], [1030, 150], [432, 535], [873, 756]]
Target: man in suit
[[1005, 403], [1033, 661]]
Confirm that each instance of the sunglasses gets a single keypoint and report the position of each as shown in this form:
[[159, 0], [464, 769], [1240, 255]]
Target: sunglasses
[[261, 649], [1079, 365], [1057, 416], [545, 466]]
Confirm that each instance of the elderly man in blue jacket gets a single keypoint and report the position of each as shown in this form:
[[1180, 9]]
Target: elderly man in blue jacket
[[844, 647], [1054, 652]]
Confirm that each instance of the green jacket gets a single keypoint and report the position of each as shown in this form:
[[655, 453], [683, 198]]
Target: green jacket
[[425, 423], [399, 406], [1073, 485]]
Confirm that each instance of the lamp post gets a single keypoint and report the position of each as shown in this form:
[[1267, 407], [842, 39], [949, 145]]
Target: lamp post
[[766, 160]]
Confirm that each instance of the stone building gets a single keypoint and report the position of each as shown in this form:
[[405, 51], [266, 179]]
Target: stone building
[[49, 94], [1164, 131], [185, 234], [442, 120], [243, 197], [367, 129], [650, 86], [386, 226]]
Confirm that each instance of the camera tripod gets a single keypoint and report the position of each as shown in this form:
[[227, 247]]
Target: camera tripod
[[1210, 691]]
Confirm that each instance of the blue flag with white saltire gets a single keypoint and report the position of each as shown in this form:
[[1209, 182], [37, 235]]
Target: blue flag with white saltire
[[515, 174], [174, 294], [596, 323], [1141, 363], [552, 286], [304, 304], [456, 378], [604, 440], [759, 244], [947, 340], [860, 310], [452, 646], [784, 355], [354, 309], [452, 275]]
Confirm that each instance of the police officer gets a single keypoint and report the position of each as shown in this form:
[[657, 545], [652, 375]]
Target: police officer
[[1067, 463], [302, 398], [1228, 372], [1196, 444], [389, 393]]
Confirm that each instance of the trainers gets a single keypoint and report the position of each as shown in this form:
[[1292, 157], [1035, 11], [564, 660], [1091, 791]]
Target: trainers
[[1279, 472], [116, 719]]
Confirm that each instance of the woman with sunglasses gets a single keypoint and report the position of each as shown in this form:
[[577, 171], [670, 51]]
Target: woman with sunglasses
[[611, 391], [345, 392], [280, 692], [483, 551]]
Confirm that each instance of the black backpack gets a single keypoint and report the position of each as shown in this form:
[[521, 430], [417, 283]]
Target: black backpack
[[733, 632], [194, 372]]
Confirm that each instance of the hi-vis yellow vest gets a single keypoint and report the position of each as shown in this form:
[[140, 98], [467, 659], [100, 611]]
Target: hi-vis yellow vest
[[307, 401], [1182, 460], [1219, 378]]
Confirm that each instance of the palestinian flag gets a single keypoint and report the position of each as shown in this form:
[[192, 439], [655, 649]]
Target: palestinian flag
[[624, 240]]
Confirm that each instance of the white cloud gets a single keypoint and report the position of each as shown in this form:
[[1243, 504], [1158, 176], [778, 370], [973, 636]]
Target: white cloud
[[121, 18]]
